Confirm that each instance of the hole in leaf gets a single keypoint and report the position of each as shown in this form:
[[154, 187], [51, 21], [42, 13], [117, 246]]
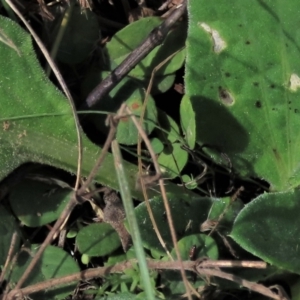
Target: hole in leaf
[[218, 43], [225, 96], [294, 82], [258, 104]]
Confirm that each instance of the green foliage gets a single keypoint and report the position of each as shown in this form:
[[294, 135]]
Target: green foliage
[[40, 207], [188, 121], [128, 89], [205, 246], [37, 116], [37, 126], [268, 228], [173, 158], [128, 282], [227, 210], [81, 32], [54, 263], [187, 213], [97, 240], [127, 39], [243, 96], [157, 145], [243, 88], [241, 102]]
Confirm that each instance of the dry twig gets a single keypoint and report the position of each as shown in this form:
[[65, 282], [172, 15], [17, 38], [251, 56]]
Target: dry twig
[[205, 267], [155, 38]]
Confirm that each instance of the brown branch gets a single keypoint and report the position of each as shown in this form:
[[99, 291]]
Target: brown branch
[[155, 38], [9, 257], [253, 286], [233, 264], [203, 268], [112, 131]]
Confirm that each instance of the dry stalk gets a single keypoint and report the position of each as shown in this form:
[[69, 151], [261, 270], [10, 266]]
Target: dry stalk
[[139, 149], [203, 268], [164, 195]]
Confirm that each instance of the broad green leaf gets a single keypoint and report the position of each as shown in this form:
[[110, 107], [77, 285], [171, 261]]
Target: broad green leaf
[[36, 203], [97, 239], [127, 39], [80, 36], [242, 78], [268, 227], [173, 158], [54, 263], [36, 120], [187, 213], [8, 226]]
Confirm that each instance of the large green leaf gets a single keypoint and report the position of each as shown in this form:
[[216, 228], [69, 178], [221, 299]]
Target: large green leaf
[[97, 239], [49, 136], [268, 227], [37, 203], [188, 214], [242, 79]]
